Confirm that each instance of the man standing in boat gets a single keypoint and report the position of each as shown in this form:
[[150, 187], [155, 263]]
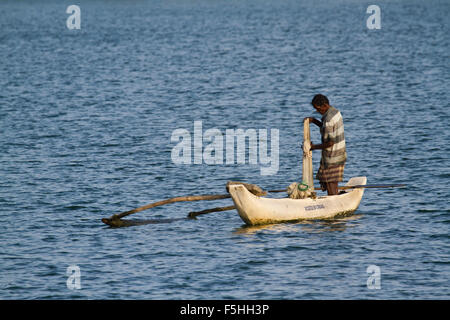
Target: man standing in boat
[[334, 155]]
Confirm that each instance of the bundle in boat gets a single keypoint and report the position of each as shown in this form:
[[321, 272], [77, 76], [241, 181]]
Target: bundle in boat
[[304, 189]]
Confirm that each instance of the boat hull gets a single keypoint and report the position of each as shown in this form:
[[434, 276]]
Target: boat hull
[[256, 210]]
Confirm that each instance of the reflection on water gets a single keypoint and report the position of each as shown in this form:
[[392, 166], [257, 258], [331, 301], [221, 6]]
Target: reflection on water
[[338, 224], [310, 226]]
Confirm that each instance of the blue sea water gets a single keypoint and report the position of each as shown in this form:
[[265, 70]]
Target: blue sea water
[[86, 118]]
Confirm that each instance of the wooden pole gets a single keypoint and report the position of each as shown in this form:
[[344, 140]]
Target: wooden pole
[[370, 186], [114, 219], [193, 214]]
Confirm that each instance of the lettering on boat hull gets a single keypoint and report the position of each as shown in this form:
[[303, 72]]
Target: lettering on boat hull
[[315, 207]]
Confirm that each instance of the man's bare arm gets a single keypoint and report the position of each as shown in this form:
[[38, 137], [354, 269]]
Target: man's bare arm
[[322, 145], [315, 121]]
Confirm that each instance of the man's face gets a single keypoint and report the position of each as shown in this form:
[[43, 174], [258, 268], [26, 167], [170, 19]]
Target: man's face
[[321, 109]]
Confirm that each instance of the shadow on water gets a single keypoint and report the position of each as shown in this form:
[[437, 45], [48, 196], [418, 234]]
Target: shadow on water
[[310, 226]]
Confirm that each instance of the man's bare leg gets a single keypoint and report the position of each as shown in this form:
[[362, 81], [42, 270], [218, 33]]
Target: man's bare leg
[[332, 188]]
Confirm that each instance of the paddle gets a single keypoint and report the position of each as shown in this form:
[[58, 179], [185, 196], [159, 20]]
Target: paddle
[[354, 187]]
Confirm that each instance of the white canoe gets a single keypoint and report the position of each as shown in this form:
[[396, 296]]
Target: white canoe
[[259, 210]]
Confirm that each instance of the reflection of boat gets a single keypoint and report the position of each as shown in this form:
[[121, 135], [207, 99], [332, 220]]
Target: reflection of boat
[[260, 210], [309, 226], [273, 228]]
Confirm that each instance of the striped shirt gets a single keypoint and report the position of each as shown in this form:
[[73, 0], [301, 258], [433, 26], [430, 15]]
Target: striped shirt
[[333, 130]]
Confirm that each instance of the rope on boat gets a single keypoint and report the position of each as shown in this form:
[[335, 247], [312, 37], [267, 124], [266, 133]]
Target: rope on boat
[[300, 190]]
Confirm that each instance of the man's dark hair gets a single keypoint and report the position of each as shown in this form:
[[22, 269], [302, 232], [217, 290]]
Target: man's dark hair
[[319, 100]]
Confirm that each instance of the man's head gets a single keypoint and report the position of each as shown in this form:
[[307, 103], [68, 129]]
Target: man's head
[[320, 103]]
